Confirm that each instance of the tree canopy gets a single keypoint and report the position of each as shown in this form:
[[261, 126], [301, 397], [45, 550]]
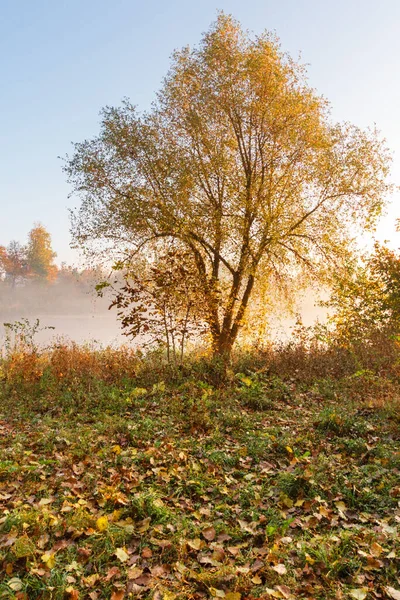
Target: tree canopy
[[239, 163], [40, 255]]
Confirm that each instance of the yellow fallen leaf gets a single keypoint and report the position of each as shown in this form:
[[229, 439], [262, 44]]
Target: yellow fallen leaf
[[256, 580], [117, 449], [15, 584], [376, 549], [195, 544], [233, 596], [134, 572], [49, 560], [217, 593], [102, 523], [121, 554], [359, 593], [143, 526]]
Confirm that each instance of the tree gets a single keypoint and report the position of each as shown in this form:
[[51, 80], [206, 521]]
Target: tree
[[13, 262], [40, 255], [239, 164], [365, 298], [161, 304]]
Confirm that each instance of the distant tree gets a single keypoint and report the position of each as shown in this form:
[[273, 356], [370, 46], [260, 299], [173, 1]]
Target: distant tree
[[13, 262], [40, 255], [238, 163]]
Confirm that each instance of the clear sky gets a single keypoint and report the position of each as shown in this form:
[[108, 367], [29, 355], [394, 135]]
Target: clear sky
[[62, 60]]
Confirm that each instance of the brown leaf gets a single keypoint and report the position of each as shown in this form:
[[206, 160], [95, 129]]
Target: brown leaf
[[117, 595], [209, 534], [134, 572], [147, 552], [114, 571], [279, 568], [284, 590]]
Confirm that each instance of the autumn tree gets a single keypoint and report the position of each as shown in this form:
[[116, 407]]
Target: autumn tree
[[13, 262], [237, 162], [40, 255], [365, 298]]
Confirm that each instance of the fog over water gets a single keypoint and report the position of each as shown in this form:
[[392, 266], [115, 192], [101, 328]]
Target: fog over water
[[78, 315], [72, 308]]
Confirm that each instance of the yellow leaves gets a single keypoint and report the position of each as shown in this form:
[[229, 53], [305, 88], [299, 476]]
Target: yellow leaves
[[121, 554], [195, 544], [359, 593], [310, 560], [217, 593], [158, 387], [286, 501], [376, 549], [117, 449], [45, 501], [15, 584], [134, 572], [102, 523], [341, 507], [144, 525], [49, 560], [233, 596], [138, 393]]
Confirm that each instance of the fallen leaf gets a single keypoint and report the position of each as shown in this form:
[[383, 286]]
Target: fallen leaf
[[102, 523], [284, 590], [195, 544], [15, 584], [143, 526], [217, 593], [121, 554], [134, 572], [147, 552], [376, 549], [359, 593], [280, 568], [395, 594], [49, 560], [209, 534], [117, 595]]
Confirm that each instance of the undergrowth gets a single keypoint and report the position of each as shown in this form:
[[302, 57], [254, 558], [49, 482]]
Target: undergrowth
[[122, 477]]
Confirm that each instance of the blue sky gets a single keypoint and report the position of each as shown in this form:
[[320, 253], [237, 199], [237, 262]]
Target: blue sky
[[62, 60]]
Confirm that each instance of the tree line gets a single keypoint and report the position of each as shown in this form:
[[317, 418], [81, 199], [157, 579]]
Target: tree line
[[33, 261]]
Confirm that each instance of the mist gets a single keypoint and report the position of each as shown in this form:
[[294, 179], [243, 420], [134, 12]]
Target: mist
[[71, 307], [77, 314]]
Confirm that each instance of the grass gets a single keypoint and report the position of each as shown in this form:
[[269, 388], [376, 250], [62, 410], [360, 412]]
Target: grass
[[125, 481]]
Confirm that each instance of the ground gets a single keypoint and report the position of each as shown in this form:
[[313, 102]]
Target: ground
[[263, 488]]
